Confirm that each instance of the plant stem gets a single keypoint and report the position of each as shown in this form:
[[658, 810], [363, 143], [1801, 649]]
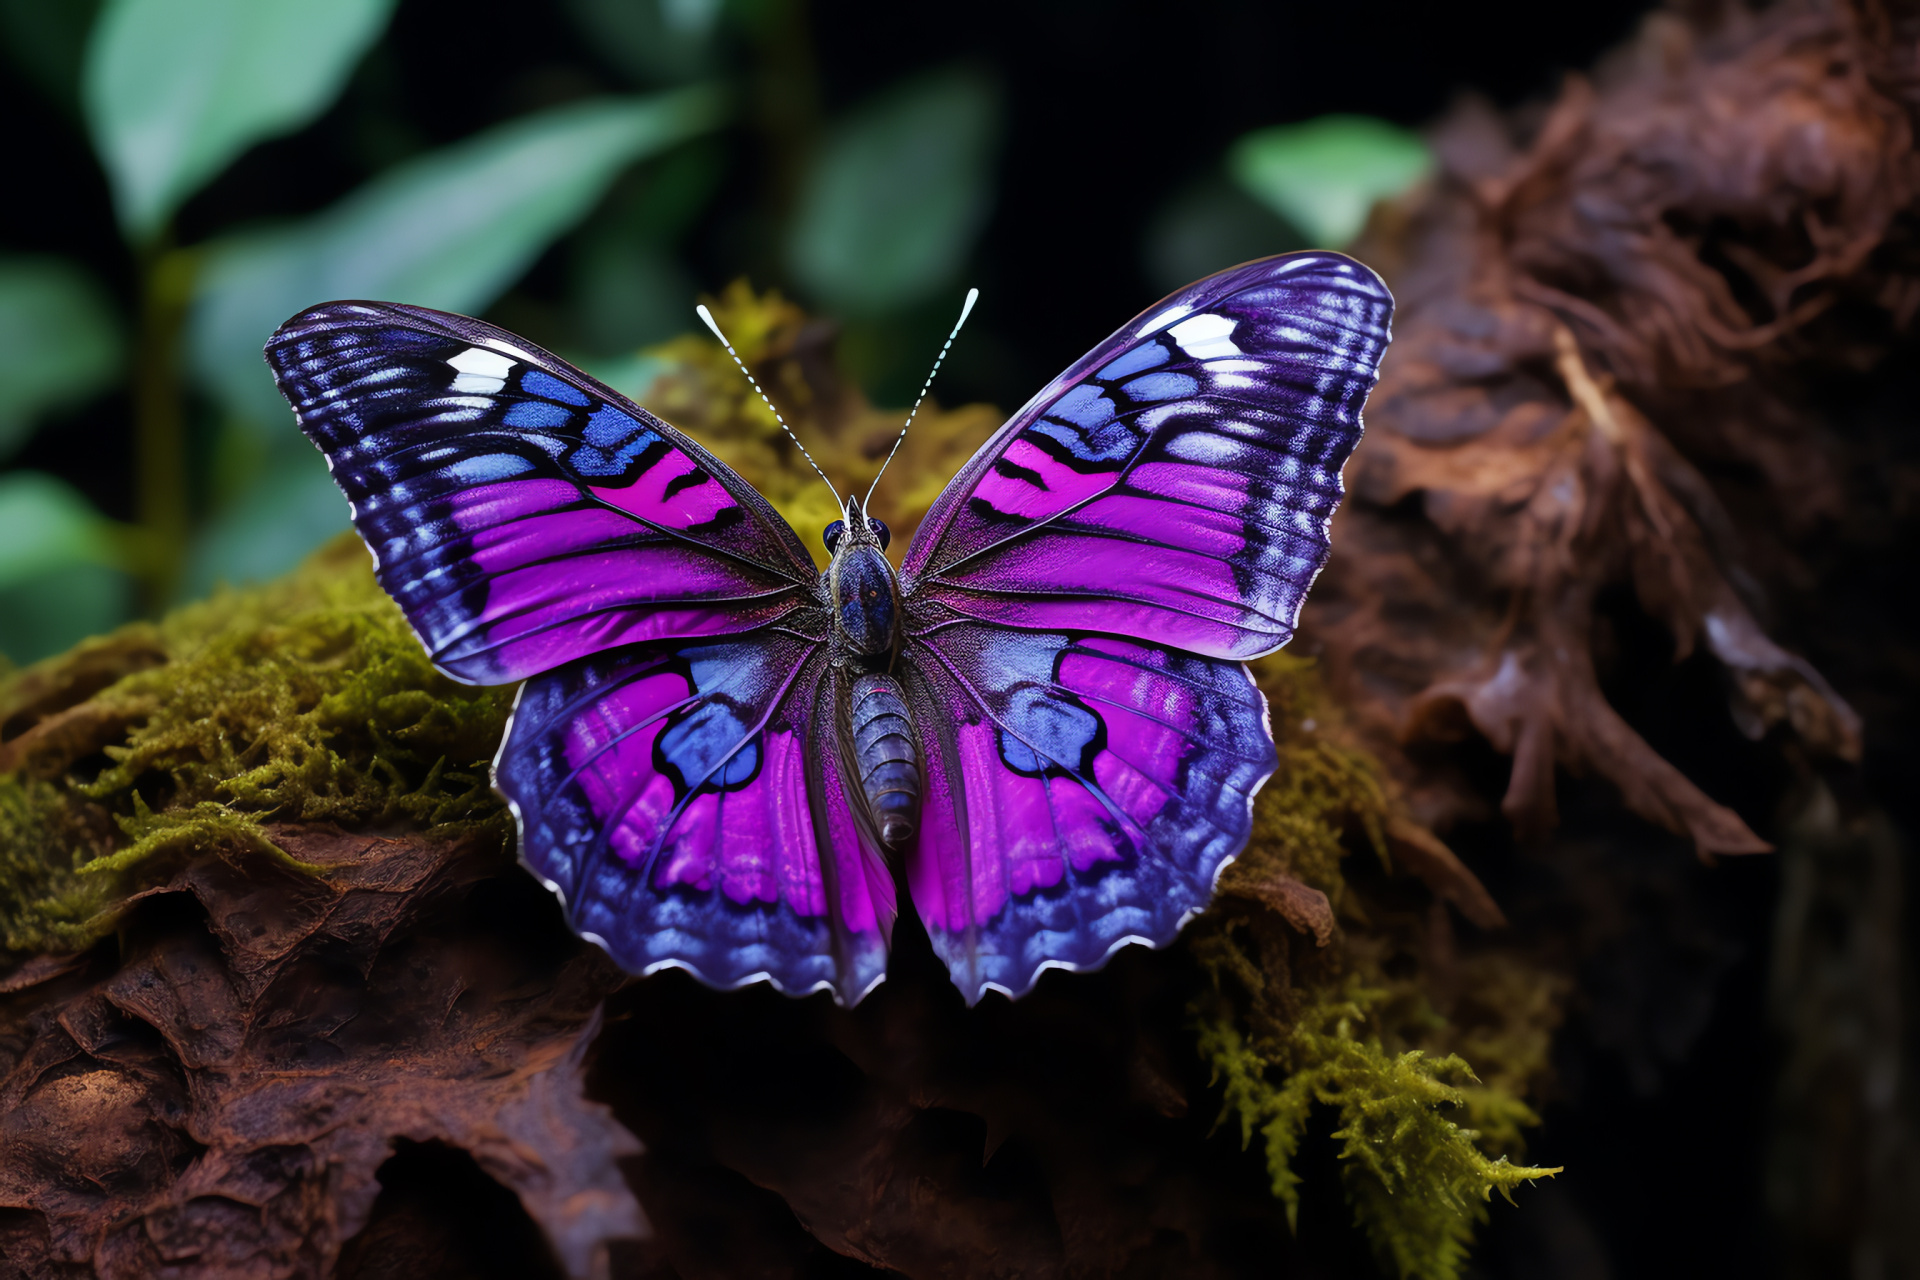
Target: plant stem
[[159, 427]]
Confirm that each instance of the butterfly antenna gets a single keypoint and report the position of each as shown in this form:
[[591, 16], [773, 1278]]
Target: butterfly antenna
[[712, 324], [966, 309]]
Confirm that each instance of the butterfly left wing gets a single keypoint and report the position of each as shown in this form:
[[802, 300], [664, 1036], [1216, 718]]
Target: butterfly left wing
[[669, 762], [1079, 600], [685, 802], [521, 513]]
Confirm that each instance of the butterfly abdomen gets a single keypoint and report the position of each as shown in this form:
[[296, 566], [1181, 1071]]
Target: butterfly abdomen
[[886, 757]]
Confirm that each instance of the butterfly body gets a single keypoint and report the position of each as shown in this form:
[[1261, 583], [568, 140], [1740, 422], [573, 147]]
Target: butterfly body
[[724, 760], [884, 745]]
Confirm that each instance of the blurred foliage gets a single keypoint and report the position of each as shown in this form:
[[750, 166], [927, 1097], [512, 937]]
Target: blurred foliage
[[873, 213], [48, 528], [897, 196], [175, 90], [59, 342], [1323, 176]]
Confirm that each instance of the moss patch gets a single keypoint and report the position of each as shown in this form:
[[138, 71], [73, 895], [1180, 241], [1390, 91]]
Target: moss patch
[[308, 699], [1361, 1025]]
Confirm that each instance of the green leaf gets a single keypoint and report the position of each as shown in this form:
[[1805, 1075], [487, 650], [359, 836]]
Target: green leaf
[[450, 230], [1325, 175], [175, 90], [45, 526], [59, 342], [900, 192]]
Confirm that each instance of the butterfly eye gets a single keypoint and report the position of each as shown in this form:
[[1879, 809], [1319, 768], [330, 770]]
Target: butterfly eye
[[880, 531], [832, 536]]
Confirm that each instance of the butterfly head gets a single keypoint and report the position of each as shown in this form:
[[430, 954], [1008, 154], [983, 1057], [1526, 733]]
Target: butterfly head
[[866, 596]]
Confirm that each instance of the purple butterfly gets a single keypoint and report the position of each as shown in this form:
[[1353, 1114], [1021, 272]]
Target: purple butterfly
[[720, 753]]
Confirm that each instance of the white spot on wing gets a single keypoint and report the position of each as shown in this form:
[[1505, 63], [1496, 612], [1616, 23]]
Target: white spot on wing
[[511, 350], [1164, 319], [1205, 336], [480, 372], [1205, 447]]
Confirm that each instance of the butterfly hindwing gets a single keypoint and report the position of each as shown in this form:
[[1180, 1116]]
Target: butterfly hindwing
[[1178, 480], [522, 514], [682, 801], [1085, 795]]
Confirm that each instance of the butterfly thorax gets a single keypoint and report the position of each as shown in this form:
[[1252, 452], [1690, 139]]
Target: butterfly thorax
[[878, 738], [866, 595]]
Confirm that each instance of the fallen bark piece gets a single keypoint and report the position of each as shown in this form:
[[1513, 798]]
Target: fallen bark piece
[[1300, 905], [1599, 384], [220, 1098]]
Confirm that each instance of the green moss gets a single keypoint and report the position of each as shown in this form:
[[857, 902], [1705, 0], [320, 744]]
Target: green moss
[[308, 699], [1417, 1181], [1359, 1027], [47, 904]]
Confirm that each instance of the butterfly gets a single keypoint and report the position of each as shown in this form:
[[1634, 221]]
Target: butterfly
[[721, 755]]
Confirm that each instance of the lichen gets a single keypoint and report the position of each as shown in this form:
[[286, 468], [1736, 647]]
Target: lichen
[[311, 700], [47, 903]]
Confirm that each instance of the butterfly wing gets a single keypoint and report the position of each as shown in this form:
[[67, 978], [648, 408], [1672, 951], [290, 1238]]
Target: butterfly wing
[[668, 760], [685, 802], [1082, 792], [1079, 600], [521, 513], [1177, 481]]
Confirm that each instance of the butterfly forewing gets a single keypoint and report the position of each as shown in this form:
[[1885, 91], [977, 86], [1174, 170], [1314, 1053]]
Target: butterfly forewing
[[521, 513], [1177, 482]]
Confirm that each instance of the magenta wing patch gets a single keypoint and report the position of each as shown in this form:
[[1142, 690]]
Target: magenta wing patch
[[522, 514], [1085, 792], [685, 803], [1176, 483]]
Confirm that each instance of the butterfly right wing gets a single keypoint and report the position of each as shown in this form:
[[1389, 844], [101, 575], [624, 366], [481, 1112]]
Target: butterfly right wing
[[522, 514], [685, 801]]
